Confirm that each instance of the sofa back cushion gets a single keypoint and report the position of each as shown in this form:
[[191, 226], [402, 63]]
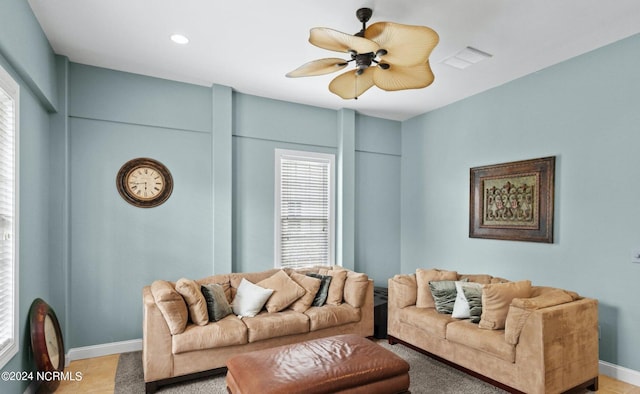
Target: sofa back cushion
[[496, 299], [355, 288], [423, 277], [405, 290], [196, 304], [171, 305]]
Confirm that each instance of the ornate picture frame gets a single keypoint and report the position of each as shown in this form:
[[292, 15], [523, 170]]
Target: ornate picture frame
[[513, 201]]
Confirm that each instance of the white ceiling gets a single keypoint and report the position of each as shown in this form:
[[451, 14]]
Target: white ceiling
[[251, 45]]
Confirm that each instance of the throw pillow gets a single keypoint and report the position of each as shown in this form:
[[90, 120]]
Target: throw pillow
[[171, 305], [197, 305], [423, 277], [336, 287], [461, 306], [444, 295], [496, 299], [285, 291], [474, 298], [249, 299], [408, 290], [323, 291], [311, 286], [217, 305]]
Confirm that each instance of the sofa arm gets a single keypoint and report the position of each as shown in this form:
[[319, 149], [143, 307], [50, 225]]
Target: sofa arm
[[521, 308], [559, 346], [157, 359]]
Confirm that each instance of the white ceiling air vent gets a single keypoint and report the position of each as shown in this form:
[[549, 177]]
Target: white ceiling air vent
[[466, 57]]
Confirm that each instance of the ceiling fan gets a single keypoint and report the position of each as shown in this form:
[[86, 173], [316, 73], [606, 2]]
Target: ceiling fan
[[389, 55]]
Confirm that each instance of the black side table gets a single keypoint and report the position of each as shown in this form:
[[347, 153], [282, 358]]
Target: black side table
[[380, 297]]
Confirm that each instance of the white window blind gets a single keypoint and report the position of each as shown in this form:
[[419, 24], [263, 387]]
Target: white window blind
[[304, 208], [8, 259]]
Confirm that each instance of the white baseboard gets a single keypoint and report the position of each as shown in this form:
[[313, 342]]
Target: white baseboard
[[620, 373], [106, 349]]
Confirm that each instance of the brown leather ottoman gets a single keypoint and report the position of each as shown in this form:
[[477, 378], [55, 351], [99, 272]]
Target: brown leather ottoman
[[340, 364]]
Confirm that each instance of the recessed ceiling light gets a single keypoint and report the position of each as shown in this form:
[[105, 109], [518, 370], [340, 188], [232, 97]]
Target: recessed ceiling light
[[179, 39]]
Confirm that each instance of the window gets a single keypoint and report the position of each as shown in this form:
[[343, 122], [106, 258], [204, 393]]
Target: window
[[8, 224], [304, 208]]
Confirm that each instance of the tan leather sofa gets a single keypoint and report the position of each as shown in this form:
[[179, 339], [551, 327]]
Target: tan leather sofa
[[204, 349], [549, 343]]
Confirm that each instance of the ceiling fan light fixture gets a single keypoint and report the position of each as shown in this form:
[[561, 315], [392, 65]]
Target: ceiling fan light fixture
[[381, 46]]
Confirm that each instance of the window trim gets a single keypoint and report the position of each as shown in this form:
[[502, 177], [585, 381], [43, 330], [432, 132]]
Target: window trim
[[309, 156], [11, 87]]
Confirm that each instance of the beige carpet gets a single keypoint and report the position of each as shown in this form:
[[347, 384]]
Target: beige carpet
[[426, 374]]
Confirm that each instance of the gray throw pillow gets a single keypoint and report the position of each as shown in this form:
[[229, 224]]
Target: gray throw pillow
[[217, 304], [474, 297], [444, 295], [323, 291]]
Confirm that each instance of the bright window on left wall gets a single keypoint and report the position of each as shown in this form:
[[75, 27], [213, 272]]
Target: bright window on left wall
[[9, 101]]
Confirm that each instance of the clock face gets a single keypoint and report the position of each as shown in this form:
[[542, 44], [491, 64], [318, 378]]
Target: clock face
[[144, 182], [51, 340]]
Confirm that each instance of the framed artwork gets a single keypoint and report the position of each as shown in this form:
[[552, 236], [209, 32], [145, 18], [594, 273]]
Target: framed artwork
[[513, 201]]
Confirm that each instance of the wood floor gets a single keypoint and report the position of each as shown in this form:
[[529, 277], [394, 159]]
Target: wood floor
[[98, 376]]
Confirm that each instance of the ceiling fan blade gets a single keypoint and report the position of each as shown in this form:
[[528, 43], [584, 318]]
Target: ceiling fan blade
[[349, 85], [318, 67], [403, 77], [406, 45], [334, 40]]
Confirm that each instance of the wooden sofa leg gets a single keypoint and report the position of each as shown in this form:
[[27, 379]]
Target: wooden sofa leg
[[594, 384], [150, 387], [392, 340]]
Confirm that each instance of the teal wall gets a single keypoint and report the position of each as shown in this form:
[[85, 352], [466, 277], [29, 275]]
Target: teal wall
[[403, 186], [583, 111], [116, 249], [27, 56]]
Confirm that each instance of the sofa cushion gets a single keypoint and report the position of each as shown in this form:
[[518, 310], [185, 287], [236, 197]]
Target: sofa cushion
[[196, 303], [171, 305], [285, 291], [476, 278], [249, 299], [355, 288], [465, 333], [496, 299], [331, 315], [226, 332], [521, 308], [427, 319], [461, 309], [423, 277], [323, 291], [217, 305], [267, 325], [407, 290], [311, 287]]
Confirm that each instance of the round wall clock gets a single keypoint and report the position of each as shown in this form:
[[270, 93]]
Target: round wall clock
[[46, 342], [144, 182]]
